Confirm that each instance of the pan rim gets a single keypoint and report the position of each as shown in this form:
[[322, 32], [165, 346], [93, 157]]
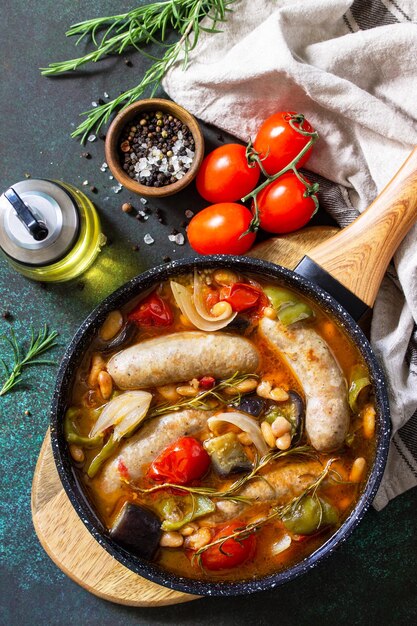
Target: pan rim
[[75, 493]]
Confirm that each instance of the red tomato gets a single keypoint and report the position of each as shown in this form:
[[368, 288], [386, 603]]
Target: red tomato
[[181, 463], [282, 205], [232, 552], [152, 311], [225, 175], [207, 382], [278, 143], [218, 228], [243, 297]]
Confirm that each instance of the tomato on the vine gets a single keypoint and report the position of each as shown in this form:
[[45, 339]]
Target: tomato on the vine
[[232, 552], [218, 229], [225, 175], [181, 463], [283, 206], [278, 143]]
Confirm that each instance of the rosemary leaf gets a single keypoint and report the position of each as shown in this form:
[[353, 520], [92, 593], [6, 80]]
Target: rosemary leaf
[[38, 344], [144, 25]]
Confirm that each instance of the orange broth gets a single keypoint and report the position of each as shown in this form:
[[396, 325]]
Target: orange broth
[[341, 494]]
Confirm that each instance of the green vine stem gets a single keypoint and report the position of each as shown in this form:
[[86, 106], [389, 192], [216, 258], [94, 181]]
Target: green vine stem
[[295, 120]]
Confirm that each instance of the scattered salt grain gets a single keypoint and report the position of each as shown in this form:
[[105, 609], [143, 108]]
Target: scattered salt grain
[[111, 177], [105, 94], [91, 138], [148, 239], [85, 183], [116, 188], [94, 104], [179, 239], [189, 214], [171, 237], [143, 201], [104, 166]]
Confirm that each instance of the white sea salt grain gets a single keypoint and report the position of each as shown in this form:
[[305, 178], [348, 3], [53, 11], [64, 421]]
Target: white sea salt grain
[[116, 189], [91, 138], [105, 94], [179, 239], [148, 239], [104, 167], [188, 214], [171, 237], [85, 183], [143, 201], [94, 104]]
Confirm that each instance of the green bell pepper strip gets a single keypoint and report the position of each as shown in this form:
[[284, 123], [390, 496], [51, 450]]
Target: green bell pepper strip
[[310, 515], [289, 307], [295, 313], [199, 506], [280, 297], [106, 451], [358, 380], [71, 434]]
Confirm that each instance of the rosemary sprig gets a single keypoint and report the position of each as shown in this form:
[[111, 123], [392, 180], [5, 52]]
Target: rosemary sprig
[[144, 25], [243, 533], [231, 492], [39, 344], [202, 400]]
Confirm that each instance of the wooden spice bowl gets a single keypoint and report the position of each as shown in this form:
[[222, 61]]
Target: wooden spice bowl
[[119, 123]]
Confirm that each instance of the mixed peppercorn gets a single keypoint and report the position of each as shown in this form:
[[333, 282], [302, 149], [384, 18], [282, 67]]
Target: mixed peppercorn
[[157, 149]]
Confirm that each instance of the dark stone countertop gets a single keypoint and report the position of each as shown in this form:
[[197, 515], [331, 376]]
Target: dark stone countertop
[[371, 579]]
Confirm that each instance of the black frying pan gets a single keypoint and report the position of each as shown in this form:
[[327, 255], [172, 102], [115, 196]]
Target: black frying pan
[[342, 276]]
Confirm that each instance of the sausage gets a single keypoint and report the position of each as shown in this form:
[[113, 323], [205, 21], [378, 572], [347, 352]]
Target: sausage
[[308, 355], [182, 356], [137, 452], [279, 486]]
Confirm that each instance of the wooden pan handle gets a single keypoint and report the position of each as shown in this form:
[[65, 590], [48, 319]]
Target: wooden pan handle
[[359, 255]]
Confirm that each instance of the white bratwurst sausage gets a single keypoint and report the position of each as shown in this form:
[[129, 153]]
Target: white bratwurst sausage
[[308, 355], [182, 356], [139, 451]]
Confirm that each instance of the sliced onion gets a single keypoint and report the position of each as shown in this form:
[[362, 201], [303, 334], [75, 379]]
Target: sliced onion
[[124, 412], [281, 545], [201, 307], [185, 301], [245, 423]]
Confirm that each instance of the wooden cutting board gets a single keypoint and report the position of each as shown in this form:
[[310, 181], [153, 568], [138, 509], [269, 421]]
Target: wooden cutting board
[[61, 532]]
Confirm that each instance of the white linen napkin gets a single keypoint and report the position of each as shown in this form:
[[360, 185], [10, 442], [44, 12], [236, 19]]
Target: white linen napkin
[[350, 67]]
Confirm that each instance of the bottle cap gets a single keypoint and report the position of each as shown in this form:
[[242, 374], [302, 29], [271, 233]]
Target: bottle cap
[[39, 222]]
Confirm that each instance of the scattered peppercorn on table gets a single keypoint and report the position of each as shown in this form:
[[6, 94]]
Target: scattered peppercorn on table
[[370, 579]]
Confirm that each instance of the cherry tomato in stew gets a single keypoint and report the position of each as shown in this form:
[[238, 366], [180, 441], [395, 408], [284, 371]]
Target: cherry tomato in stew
[[225, 175], [152, 311], [282, 205], [278, 143], [232, 552], [218, 229], [181, 463], [243, 297]]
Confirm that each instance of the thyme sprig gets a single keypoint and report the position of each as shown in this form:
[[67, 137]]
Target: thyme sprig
[[39, 343], [231, 492], [240, 534], [144, 25]]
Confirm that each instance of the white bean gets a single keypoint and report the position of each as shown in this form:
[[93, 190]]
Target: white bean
[[280, 426], [171, 540], [358, 470], [284, 442], [268, 435], [105, 383], [199, 539], [111, 325]]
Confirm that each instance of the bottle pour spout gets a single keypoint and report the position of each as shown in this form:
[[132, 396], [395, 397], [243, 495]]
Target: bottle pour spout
[[36, 228]]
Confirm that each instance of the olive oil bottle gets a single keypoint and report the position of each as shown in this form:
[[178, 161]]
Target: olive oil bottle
[[49, 230]]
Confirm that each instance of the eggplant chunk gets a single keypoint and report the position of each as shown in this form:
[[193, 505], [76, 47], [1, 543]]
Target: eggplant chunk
[[253, 405], [308, 355], [227, 455], [182, 356], [137, 529]]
